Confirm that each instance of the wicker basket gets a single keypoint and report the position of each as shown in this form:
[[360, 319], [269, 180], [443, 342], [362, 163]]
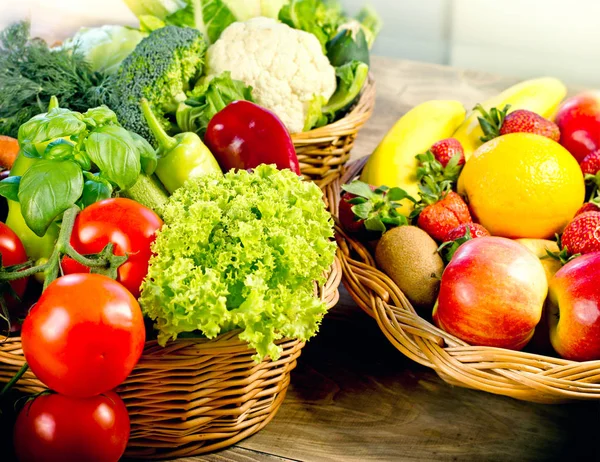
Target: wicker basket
[[323, 152], [521, 375], [194, 396]]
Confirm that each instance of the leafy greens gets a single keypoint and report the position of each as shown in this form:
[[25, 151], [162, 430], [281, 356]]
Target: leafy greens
[[241, 251]]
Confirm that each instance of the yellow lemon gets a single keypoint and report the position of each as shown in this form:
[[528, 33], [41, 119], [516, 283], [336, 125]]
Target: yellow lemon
[[522, 185]]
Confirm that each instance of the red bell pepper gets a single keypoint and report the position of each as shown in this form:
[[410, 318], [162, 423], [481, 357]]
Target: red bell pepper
[[244, 135]]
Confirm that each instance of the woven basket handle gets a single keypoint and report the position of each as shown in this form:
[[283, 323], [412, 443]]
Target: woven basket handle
[[353, 169]]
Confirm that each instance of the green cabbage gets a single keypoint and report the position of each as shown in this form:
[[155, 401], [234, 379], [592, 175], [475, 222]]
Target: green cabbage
[[243, 251], [105, 47]]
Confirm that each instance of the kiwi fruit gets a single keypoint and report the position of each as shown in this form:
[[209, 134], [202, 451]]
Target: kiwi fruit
[[408, 255]]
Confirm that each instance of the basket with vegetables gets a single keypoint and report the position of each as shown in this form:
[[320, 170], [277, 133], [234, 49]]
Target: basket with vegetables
[[185, 278], [304, 60], [473, 241]]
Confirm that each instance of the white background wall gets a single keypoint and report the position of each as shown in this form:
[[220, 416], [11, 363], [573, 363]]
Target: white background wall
[[512, 37]]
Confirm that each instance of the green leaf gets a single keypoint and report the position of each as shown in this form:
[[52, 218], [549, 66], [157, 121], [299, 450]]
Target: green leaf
[[9, 188], [397, 194], [357, 200], [60, 149], [351, 78], [362, 210], [29, 150], [94, 191], [375, 224], [148, 155], [115, 153], [359, 188], [99, 116], [47, 189], [58, 123]]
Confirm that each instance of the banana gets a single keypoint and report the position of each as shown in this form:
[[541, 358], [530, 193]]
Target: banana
[[393, 162], [542, 96]]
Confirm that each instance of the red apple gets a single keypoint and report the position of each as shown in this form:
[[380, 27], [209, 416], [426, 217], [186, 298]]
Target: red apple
[[578, 119], [492, 293], [574, 309]]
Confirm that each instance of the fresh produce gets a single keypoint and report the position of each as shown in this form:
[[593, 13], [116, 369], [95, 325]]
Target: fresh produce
[[128, 225], [541, 96], [181, 157], [212, 17], [207, 99], [365, 208], [522, 185], [75, 157], [394, 163], [350, 79], [579, 121], [574, 309], [542, 249], [588, 207], [444, 150], [349, 44], [31, 73], [161, 68], [13, 253], [492, 293], [590, 165], [582, 234], [410, 258], [498, 122], [106, 46], [9, 149], [458, 236], [443, 215], [285, 67], [241, 250], [57, 428], [96, 338], [237, 137]]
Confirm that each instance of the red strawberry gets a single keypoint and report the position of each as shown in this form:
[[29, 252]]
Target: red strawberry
[[498, 122], [588, 207], [475, 230], [582, 234], [523, 121], [350, 222], [590, 165], [442, 217], [366, 209], [446, 149]]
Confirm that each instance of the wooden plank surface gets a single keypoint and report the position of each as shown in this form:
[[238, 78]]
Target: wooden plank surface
[[354, 397]]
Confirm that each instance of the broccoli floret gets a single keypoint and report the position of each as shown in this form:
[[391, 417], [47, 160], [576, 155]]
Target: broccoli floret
[[161, 69]]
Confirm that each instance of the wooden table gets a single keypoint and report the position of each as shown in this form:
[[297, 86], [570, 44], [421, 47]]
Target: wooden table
[[353, 397]]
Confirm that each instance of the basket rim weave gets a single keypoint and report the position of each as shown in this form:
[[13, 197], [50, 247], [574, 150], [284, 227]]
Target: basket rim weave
[[522, 375]]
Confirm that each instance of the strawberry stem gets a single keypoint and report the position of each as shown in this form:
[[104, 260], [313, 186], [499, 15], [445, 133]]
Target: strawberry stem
[[491, 122]]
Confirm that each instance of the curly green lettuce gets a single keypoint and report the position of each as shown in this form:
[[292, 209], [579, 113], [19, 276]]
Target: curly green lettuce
[[241, 251]]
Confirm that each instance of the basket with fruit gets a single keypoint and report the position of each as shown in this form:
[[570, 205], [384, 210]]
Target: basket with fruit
[[474, 244], [155, 291]]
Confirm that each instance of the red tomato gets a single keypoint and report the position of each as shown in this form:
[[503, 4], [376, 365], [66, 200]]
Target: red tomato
[[130, 226], [84, 336], [13, 253], [63, 429]]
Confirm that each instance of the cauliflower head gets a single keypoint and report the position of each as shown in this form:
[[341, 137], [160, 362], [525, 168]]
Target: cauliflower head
[[286, 67]]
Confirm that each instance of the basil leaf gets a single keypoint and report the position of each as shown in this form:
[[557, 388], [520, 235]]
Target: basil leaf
[[148, 157], [29, 150], [359, 188], [47, 189], [94, 191], [99, 116], [113, 150], [59, 149], [9, 188], [58, 123]]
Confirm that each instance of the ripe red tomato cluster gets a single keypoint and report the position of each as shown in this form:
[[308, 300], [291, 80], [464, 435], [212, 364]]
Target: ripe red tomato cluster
[[83, 338]]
